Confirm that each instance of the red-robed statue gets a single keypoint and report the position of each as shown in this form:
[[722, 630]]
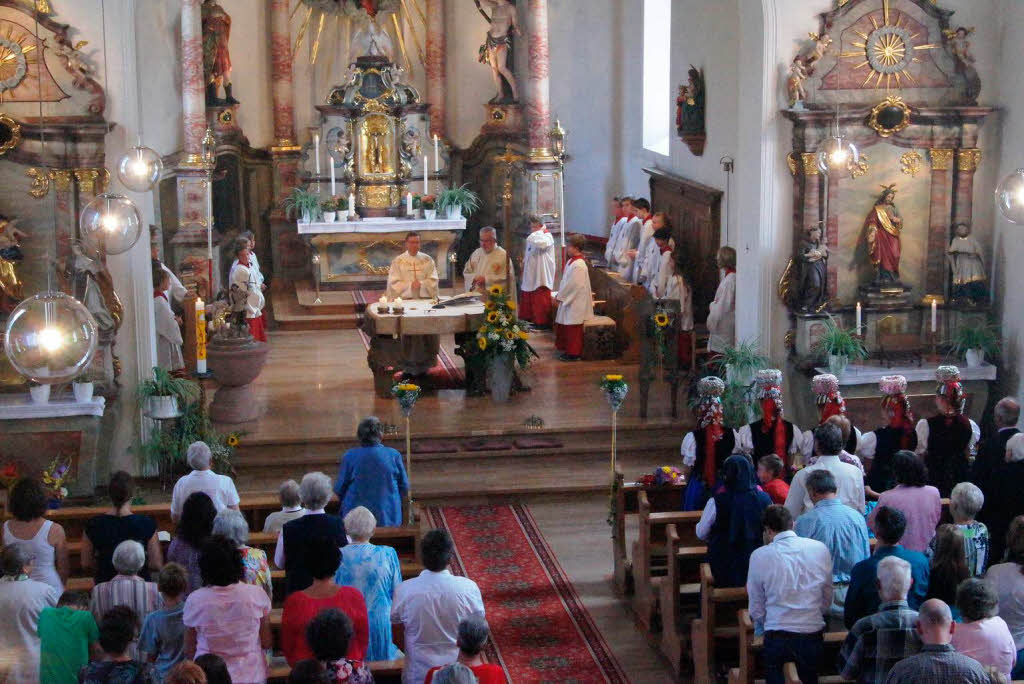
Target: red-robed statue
[[216, 57], [882, 228]]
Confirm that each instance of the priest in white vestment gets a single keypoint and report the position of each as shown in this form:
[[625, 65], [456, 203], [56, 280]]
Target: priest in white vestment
[[575, 302], [538, 275], [413, 274], [490, 265], [244, 281], [722, 316], [168, 330]]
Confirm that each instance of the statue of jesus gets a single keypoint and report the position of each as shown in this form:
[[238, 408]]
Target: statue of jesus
[[883, 228], [494, 51]]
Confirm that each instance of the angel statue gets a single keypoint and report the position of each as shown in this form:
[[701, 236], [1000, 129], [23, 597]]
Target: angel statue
[[795, 84], [498, 44], [10, 257], [960, 46], [373, 40]]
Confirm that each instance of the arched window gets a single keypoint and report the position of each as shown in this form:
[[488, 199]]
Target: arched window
[[657, 91]]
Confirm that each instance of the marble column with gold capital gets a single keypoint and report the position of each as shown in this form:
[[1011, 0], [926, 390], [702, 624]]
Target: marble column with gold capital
[[193, 97], [435, 67], [538, 104], [281, 75]]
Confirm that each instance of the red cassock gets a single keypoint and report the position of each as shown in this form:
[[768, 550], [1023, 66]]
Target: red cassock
[[259, 333], [535, 306], [569, 338]]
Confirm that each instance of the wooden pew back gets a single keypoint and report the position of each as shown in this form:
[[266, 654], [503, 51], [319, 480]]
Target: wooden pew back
[[716, 627]]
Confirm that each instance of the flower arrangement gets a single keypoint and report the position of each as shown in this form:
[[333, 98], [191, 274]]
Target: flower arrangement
[[407, 394], [57, 476], [424, 201], [615, 390], [500, 334], [233, 440], [9, 475], [667, 475], [330, 204], [659, 324]]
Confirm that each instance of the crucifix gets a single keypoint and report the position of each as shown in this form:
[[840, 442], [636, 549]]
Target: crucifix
[[415, 276]]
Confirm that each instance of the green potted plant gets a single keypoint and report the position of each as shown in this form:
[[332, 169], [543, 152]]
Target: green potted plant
[[974, 342], [329, 207], [83, 387], [38, 392], [164, 396], [741, 362], [840, 346], [458, 202], [304, 203], [165, 451]]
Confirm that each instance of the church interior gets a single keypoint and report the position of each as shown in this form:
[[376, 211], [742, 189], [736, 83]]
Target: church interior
[[556, 317]]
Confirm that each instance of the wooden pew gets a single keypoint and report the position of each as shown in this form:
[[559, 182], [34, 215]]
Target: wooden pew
[[790, 676], [751, 646], [384, 672], [716, 625], [627, 503], [680, 594], [650, 556]]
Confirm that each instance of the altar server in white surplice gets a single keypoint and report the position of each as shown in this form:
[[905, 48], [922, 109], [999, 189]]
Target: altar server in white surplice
[[575, 302], [413, 274], [641, 269], [722, 316], [624, 253], [489, 265], [254, 262], [168, 332], [538, 275], [618, 221]]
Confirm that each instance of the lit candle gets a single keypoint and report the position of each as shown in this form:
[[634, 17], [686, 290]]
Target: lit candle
[[316, 149], [200, 337], [935, 315], [858, 318], [333, 192], [426, 170], [437, 154], [408, 204], [351, 204]]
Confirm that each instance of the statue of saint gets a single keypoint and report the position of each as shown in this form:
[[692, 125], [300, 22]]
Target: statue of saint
[[216, 56], [10, 257], [813, 284], [496, 47], [968, 266], [883, 228]]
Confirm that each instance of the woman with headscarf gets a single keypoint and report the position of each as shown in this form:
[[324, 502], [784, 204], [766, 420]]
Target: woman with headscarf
[[946, 439], [877, 448], [773, 434], [731, 522], [705, 449]]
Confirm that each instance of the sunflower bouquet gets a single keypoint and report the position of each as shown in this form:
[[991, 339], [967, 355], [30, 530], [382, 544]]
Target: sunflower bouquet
[[500, 335], [407, 394], [659, 326], [615, 390]]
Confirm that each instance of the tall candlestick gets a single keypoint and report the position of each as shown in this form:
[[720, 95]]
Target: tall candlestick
[[935, 315], [437, 154], [351, 204], [332, 177], [316, 149], [426, 170], [857, 331], [408, 204], [200, 337]]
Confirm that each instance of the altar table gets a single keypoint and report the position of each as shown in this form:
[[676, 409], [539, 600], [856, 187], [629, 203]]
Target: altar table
[[386, 331], [357, 254]]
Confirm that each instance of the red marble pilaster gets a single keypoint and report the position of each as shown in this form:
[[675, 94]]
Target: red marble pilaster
[[938, 221], [437, 83], [967, 162], [538, 105], [281, 74], [193, 96], [812, 192], [832, 234]]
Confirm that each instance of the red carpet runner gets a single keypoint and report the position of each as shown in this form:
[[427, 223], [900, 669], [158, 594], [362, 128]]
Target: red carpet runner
[[541, 631]]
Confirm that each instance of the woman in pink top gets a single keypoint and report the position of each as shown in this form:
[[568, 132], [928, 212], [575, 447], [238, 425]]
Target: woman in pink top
[[228, 617], [919, 502], [983, 635]]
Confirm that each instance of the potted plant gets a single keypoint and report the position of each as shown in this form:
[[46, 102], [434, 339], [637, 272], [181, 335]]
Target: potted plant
[[458, 202], [840, 346], [82, 388], [975, 342], [429, 204], [38, 392], [164, 396], [329, 208], [741, 362], [304, 203], [342, 207], [164, 454]]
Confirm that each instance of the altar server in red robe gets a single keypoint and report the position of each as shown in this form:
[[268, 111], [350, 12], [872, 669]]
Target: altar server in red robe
[[575, 302], [538, 275]]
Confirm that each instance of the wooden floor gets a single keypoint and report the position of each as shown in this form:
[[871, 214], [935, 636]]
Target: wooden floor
[[316, 385]]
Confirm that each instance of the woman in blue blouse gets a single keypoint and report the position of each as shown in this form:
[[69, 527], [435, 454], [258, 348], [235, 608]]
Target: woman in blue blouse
[[373, 476]]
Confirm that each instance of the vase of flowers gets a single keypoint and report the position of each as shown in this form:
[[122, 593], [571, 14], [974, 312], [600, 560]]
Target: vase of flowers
[[428, 203], [329, 208], [39, 393], [56, 478], [407, 394], [501, 342], [615, 390]]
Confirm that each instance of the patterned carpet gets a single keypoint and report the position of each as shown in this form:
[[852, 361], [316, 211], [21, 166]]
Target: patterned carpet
[[541, 631]]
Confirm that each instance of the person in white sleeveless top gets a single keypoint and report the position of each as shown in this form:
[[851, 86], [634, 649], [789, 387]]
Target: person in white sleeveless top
[[21, 601], [43, 538]]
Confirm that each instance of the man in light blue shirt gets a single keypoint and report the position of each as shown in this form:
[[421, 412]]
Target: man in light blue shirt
[[838, 527]]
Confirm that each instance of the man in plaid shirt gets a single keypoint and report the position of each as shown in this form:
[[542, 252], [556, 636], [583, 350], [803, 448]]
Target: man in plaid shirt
[[938, 662], [879, 641]]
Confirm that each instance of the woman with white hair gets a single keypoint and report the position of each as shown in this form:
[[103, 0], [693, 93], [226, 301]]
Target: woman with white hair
[[470, 667], [127, 588], [231, 524], [21, 601], [964, 503], [373, 476], [376, 572], [1003, 500], [220, 488], [314, 527]]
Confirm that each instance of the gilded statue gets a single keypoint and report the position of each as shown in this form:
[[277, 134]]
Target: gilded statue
[[821, 45], [11, 287], [216, 56], [883, 229], [795, 84], [378, 152], [498, 45]]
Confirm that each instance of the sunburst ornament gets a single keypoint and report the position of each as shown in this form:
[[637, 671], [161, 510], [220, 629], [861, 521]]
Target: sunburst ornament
[[14, 61], [889, 50]]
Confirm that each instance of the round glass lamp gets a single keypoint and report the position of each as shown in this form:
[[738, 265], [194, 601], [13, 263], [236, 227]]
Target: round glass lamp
[[139, 169], [837, 155], [110, 223], [1010, 197], [51, 338]]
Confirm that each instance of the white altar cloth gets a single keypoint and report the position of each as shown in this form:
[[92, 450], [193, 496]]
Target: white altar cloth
[[858, 374], [418, 318], [14, 407], [381, 225]]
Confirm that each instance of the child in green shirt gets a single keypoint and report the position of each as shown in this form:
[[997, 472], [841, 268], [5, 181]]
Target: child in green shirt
[[66, 634]]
